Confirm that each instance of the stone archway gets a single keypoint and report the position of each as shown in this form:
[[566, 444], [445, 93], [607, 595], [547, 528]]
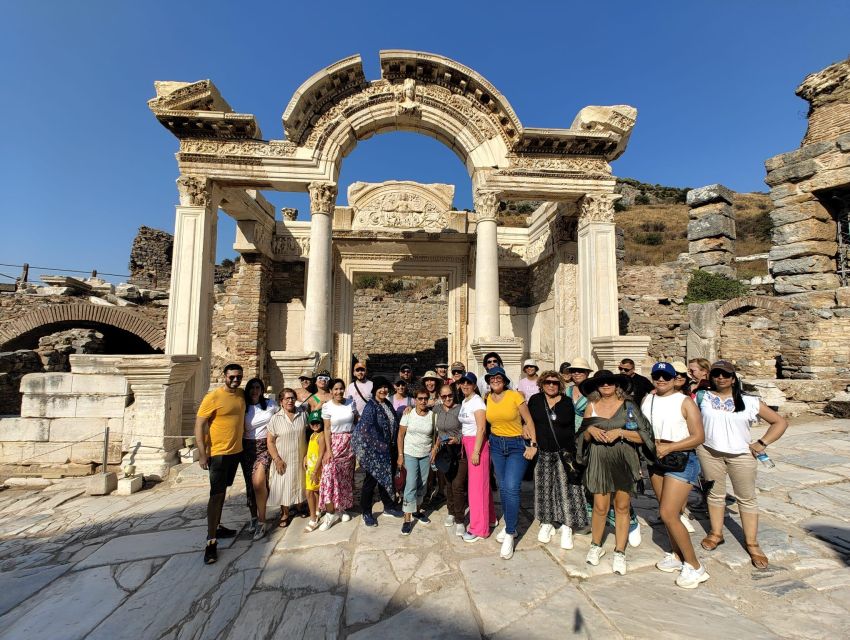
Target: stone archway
[[66, 316], [750, 335]]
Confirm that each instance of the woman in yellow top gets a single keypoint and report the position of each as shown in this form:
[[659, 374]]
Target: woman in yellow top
[[513, 442]]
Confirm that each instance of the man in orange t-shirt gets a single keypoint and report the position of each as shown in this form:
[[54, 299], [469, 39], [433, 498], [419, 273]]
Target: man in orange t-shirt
[[218, 435]]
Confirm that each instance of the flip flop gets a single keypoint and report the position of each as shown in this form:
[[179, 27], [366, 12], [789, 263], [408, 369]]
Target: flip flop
[[285, 522]]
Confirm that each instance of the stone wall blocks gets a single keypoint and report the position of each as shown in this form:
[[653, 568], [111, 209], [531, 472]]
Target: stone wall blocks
[[807, 282], [721, 270], [805, 248], [842, 296], [42, 383], [16, 429], [806, 264], [39, 406], [709, 258], [104, 384], [721, 243], [809, 229], [829, 179], [798, 212], [709, 193], [710, 226], [796, 172], [843, 142], [99, 407], [783, 192], [75, 429], [805, 152]]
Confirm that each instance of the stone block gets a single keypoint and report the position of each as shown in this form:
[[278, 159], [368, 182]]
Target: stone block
[[24, 429], [75, 429], [806, 282], [842, 297], [128, 486], [100, 384], [799, 211], [809, 229], [721, 270], [806, 264], [710, 226], [710, 193], [27, 483], [99, 406], [829, 179], [721, 243], [796, 172], [806, 390], [805, 152], [843, 142], [188, 455], [839, 405], [805, 248], [46, 383], [102, 484], [39, 406], [710, 258]]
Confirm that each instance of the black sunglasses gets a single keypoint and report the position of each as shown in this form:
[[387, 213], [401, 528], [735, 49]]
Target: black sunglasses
[[661, 375], [460, 371], [448, 395], [551, 382], [491, 361], [422, 399], [360, 369], [720, 373], [234, 377]]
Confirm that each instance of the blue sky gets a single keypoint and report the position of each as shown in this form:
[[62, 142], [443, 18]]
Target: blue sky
[[83, 162]]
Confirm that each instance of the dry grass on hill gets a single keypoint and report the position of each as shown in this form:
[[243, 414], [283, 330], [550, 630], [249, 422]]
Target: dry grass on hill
[[656, 233]]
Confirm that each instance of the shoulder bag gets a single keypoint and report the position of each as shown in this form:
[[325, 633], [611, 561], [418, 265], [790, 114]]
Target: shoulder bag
[[675, 461]]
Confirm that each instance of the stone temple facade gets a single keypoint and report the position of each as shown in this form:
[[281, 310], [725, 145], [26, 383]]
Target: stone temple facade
[[546, 288]]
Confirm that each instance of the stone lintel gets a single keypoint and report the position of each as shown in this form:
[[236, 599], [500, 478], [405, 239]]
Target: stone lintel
[[608, 351], [152, 373], [708, 194]]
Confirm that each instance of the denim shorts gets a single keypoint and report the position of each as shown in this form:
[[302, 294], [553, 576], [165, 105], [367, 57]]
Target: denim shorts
[[689, 474]]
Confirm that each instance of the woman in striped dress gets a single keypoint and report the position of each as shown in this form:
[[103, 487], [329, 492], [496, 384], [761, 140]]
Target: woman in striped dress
[[287, 445]]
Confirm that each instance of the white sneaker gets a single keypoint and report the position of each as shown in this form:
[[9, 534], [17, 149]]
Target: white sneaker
[[669, 564], [345, 517], [594, 554], [470, 537], [691, 578], [618, 565], [507, 551], [329, 520], [545, 533], [566, 537], [449, 521], [687, 522], [500, 537], [634, 536], [460, 529]]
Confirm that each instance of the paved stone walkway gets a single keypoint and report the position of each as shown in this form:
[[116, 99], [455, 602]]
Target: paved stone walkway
[[130, 567]]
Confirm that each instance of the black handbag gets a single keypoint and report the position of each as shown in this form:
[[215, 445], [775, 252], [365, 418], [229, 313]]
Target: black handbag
[[575, 471], [675, 461]]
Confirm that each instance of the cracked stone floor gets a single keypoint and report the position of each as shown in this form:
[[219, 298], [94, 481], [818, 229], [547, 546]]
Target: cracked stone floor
[[75, 566]]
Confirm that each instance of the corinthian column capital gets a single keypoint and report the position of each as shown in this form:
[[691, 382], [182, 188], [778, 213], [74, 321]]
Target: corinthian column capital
[[486, 205], [597, 208], [194, 191], [322, 197]]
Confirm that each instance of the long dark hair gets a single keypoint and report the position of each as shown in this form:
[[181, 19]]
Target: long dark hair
[[263, 403], [737, 391]]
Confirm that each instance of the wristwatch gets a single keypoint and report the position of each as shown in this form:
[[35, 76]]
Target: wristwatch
[[533, 445], [762, 442]]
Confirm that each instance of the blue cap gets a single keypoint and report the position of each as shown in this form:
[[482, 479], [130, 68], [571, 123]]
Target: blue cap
[[664, 367], [469, 377], [497, 371]]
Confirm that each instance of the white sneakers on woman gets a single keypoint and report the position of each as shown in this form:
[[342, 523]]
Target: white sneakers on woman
[[618, 564], [500, 537], [507, 550], [545, 534], [691, 578], [669, 564], [329, 520], [594, 554], [566, 537]]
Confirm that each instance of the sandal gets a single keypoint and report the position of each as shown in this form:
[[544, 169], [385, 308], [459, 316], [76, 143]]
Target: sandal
[[285, 522], [757, 557], [311, 526], [712, 541]]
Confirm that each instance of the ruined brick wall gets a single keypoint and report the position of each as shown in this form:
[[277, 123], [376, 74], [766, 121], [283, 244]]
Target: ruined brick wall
[[150, 258], [751, 339], [288, 282], [542, 279], [14, 365], [513, 286], [391, 331]]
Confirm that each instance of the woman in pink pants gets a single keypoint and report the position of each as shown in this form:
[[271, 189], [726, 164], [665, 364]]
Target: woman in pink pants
[[474, 429]]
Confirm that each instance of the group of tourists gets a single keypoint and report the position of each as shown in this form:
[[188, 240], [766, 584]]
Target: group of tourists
[[452, 435]]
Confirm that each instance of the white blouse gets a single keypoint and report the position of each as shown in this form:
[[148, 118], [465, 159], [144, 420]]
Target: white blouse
[[257, 420], [725, 430], [340, 415]]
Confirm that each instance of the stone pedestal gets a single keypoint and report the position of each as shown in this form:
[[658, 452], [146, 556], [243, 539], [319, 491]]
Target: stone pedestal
[[511, 350], [597, 271], [703, 331], [153, 423], [288, 365], [317, 307], [608, 351]]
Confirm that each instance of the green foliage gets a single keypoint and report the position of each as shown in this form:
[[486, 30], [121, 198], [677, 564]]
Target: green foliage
[[652, 239], [366, 282], [641, 198], [619, 206], [392, 286], [227, 263], [705, 287], [657, 225]]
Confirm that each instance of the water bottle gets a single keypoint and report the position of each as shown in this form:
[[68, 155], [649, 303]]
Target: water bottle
[[765, 460], [631, 423]]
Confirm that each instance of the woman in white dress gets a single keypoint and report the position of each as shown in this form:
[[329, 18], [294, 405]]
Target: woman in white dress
[[287, 446]]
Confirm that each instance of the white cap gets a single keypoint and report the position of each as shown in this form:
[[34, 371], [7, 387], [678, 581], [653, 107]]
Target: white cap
[[530, 363]]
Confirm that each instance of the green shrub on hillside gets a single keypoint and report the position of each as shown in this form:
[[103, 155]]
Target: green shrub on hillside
[[705, 287], [652, 239]]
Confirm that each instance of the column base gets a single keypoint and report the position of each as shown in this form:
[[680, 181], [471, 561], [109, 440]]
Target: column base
[[609, 350], [288, 365], [510, 349], [153, 463]]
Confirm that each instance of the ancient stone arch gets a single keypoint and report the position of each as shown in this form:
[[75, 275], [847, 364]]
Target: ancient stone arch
[[744, 302], [88, 314]]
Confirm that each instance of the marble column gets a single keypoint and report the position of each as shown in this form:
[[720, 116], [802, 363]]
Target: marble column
[[192, 270], [486, 266], [597, 271], [317, 307]]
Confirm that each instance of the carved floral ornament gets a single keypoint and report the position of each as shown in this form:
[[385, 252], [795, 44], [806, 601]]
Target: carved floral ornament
[[291, 246], [322, 197], [597, 208], [194, 191], [486, 205]]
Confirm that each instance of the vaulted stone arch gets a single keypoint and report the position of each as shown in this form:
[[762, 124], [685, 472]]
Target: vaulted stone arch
[[64, 316], [745, 302]]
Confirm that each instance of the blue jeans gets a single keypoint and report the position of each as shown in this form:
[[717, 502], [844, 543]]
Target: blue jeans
[[509, 465], [417, 477]]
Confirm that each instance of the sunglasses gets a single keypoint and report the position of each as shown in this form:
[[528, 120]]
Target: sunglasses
[[360, 369], [552, 382], [405, 370], [607, 384], [422, 399], [458, 371], [401, 384], [625, 369], [234, 377], [719, 373], [660, 375], [491, 362], [322, 378], [444, 397]]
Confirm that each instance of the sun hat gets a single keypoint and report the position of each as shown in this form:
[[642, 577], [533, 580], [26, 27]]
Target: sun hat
[[445, 365], [469, 377], [724, 365], [601, 377], [581, 363], [458, 366], [497, 371], [664, 367], [530, 363], [680, 367], [306, 375], [431, 375]]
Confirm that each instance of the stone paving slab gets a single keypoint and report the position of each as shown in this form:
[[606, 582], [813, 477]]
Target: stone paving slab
[[17, 586]]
